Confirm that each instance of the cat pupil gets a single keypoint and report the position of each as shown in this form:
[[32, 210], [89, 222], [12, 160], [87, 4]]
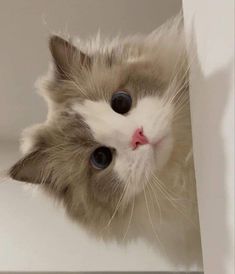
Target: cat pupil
[[101, 157], [121, 102]]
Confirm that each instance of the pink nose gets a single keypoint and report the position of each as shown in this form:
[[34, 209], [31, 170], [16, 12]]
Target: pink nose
[[138, 138]]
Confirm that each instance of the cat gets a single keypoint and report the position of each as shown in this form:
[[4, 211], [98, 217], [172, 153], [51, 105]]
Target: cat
[[117, 137]]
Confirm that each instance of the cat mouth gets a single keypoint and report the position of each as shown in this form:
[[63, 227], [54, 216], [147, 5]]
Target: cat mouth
[[156, 144]]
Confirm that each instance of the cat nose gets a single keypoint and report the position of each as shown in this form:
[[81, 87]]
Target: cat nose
[[138, 138]]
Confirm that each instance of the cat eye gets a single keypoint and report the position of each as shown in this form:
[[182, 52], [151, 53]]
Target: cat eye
[[121, 102], [101, 158]]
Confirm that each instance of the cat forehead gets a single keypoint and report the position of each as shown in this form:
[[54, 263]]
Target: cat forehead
[[138, 80], [141, 77]]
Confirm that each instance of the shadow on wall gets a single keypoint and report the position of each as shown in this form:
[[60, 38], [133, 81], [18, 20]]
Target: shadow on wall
[[210, 95]]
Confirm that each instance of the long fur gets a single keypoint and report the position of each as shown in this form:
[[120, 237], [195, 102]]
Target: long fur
[[157, 188]]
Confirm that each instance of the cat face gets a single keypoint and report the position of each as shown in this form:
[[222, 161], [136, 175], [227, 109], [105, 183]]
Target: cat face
[[139, 140], [109, 129]]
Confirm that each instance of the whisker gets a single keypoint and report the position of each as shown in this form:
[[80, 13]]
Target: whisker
[[156, 199], [151, 222], [173, 203], [118, 203], [131, 215], [168, 98], [181, 106]]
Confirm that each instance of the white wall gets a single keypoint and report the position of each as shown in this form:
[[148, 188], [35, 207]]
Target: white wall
[[211, 23]]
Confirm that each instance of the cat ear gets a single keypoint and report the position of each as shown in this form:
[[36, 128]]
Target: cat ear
[[66, 56], [29, 168]]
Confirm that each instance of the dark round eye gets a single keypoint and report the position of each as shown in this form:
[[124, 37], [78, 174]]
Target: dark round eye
[[121, 102], [101, 157]]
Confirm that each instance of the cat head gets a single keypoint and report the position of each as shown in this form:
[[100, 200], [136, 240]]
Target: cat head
[[109, 125]]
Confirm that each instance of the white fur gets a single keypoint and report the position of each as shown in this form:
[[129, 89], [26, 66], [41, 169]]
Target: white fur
[[114, 130]]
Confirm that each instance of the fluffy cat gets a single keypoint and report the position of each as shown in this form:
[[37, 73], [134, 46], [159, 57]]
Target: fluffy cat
[[117, 138]]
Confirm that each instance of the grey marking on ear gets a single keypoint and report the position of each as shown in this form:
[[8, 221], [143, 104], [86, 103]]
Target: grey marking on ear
[[29, 168], [66, 56]]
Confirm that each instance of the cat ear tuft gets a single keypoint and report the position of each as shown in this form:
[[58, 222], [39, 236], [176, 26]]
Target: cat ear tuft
[[29, 168], [66, 56]]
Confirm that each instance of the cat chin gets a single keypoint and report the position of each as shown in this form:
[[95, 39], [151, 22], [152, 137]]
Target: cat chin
[[158, 156]]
